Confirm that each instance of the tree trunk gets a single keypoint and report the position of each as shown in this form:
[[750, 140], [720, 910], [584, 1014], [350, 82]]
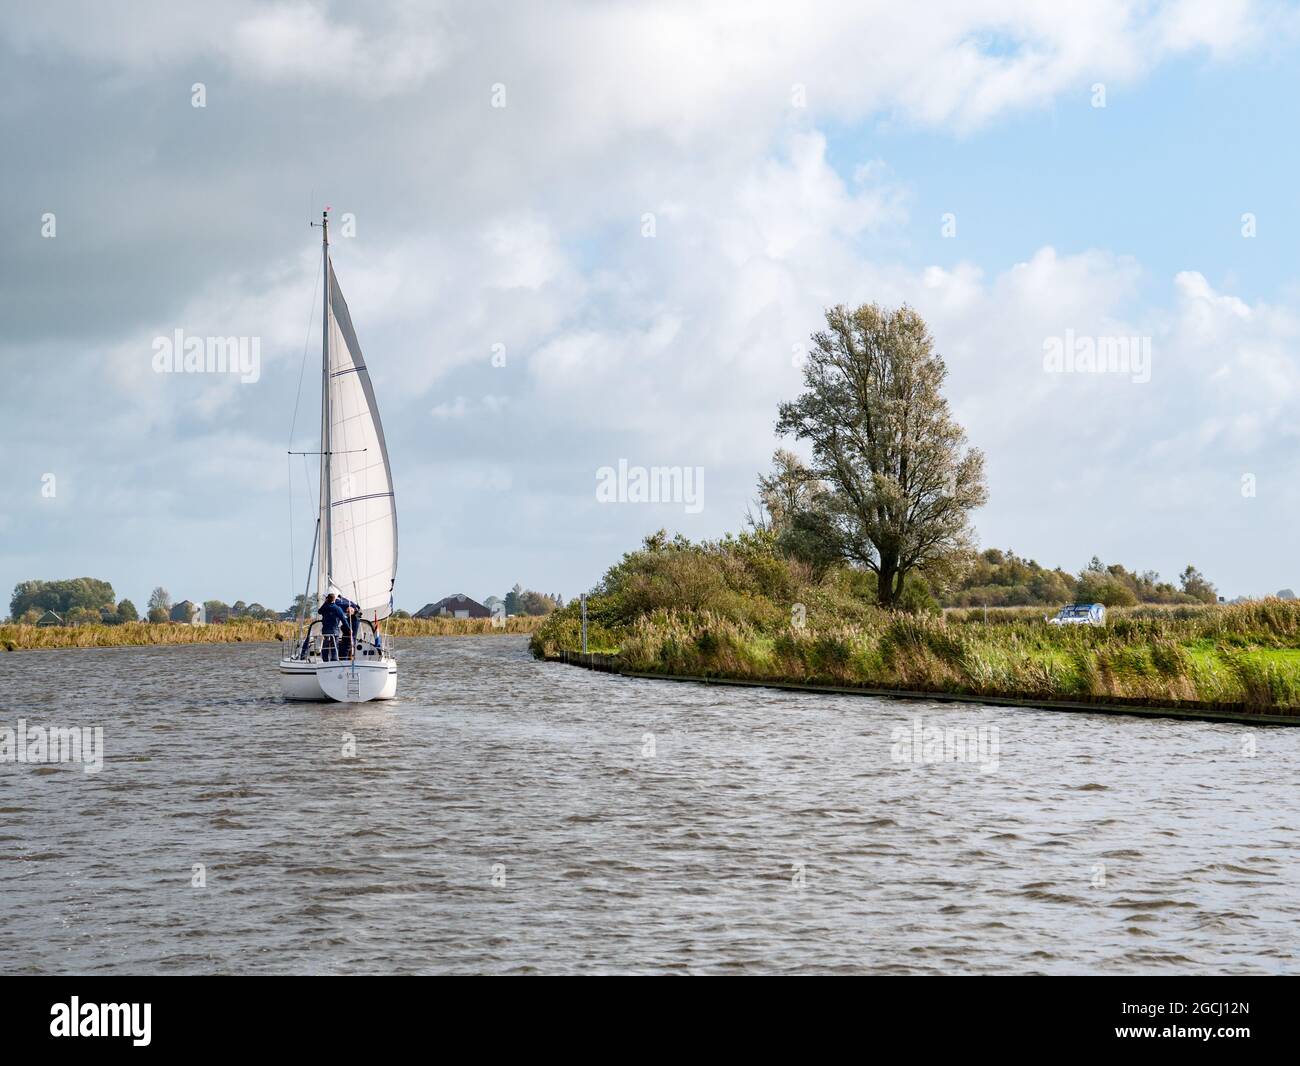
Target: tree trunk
[[885, 594]]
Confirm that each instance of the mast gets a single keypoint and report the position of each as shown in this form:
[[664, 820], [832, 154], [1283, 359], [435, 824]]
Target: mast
[[326, 561]]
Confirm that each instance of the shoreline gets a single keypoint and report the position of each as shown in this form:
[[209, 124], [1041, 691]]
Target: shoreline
[[1188, 710], [18, 637]]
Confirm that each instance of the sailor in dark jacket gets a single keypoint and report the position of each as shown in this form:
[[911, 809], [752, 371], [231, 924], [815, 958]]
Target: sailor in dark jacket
[[332, 617], [350, 627]]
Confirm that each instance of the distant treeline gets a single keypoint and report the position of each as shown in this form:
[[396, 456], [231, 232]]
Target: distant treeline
[[992, 578], [996, 578], [520, 600], [88, 600], [76, 601], [233, 631]]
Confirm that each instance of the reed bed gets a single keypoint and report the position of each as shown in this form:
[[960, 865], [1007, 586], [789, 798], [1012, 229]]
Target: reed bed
[[462, 627], [14, 637], [1245, 656]]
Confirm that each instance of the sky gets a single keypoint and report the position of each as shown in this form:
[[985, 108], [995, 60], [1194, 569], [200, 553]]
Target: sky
[[591, 233]]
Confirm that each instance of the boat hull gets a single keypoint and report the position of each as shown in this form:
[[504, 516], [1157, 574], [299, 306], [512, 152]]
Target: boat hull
[[358, 681], [343, 682]]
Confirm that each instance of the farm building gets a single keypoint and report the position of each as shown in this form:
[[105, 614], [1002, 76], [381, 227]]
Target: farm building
[[455, 606], [189, 613]]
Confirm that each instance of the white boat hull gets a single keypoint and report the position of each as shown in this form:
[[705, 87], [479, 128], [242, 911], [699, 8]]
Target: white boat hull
[[358, 681], [344, 682]]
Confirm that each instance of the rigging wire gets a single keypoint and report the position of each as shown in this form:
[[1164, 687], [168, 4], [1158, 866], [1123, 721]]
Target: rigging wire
[[293, 425], [302, 367]]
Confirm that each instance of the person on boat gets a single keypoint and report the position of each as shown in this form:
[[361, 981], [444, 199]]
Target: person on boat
[[332, 619], [379, 644], [350, 623]]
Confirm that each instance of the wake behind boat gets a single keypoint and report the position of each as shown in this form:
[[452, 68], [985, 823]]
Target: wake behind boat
[[343, 655]]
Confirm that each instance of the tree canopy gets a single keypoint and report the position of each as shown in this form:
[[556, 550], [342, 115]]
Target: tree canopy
[[896, 478], [86, 594]]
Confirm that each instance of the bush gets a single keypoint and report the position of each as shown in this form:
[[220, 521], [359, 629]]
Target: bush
[[1104, 588], [737, 608], [917, 597]]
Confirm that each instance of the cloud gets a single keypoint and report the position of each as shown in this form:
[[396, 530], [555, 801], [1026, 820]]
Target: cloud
[[297, 42], [520, 328], [674, 68]]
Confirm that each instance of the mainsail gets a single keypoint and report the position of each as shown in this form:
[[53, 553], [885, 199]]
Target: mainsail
[[359, 514]]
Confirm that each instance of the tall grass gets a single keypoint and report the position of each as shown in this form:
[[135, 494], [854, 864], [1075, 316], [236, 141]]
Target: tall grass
[[735, 609], [15, 637], [1247, 655], [461, 627]]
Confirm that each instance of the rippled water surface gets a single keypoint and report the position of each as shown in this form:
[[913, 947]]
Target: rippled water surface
[[508, 816]]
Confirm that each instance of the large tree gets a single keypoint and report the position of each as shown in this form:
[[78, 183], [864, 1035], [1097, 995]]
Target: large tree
[[792, 507], [536, 603], [900, 481], [513, 605], [160, 605], [788, 491], [61, 596], [304, 606], [1195, 585]]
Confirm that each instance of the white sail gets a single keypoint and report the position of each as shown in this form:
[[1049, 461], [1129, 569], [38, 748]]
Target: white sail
[[361, 557]]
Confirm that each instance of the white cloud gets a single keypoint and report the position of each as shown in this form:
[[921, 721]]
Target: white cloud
[[674, 68], [461, 408], [297, 42], [523, 252], [518, 231], [1223, 26]]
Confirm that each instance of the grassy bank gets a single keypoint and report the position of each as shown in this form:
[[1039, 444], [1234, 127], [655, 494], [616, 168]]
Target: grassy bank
[[24, 638], [735, 611]]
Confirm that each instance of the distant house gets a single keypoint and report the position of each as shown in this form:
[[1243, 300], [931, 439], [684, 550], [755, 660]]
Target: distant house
[[49, 618], [457, 606], [189, 613]]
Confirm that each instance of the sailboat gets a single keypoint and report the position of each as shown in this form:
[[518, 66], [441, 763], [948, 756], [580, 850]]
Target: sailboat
[[355, 551]]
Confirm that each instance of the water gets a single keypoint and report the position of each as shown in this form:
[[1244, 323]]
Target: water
[[502, 816]]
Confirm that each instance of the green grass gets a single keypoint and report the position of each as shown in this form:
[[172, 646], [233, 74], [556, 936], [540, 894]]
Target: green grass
[[733, 610], [1027, 660]]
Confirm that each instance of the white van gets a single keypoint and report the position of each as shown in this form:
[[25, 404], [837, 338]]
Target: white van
[[1079, 614]]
